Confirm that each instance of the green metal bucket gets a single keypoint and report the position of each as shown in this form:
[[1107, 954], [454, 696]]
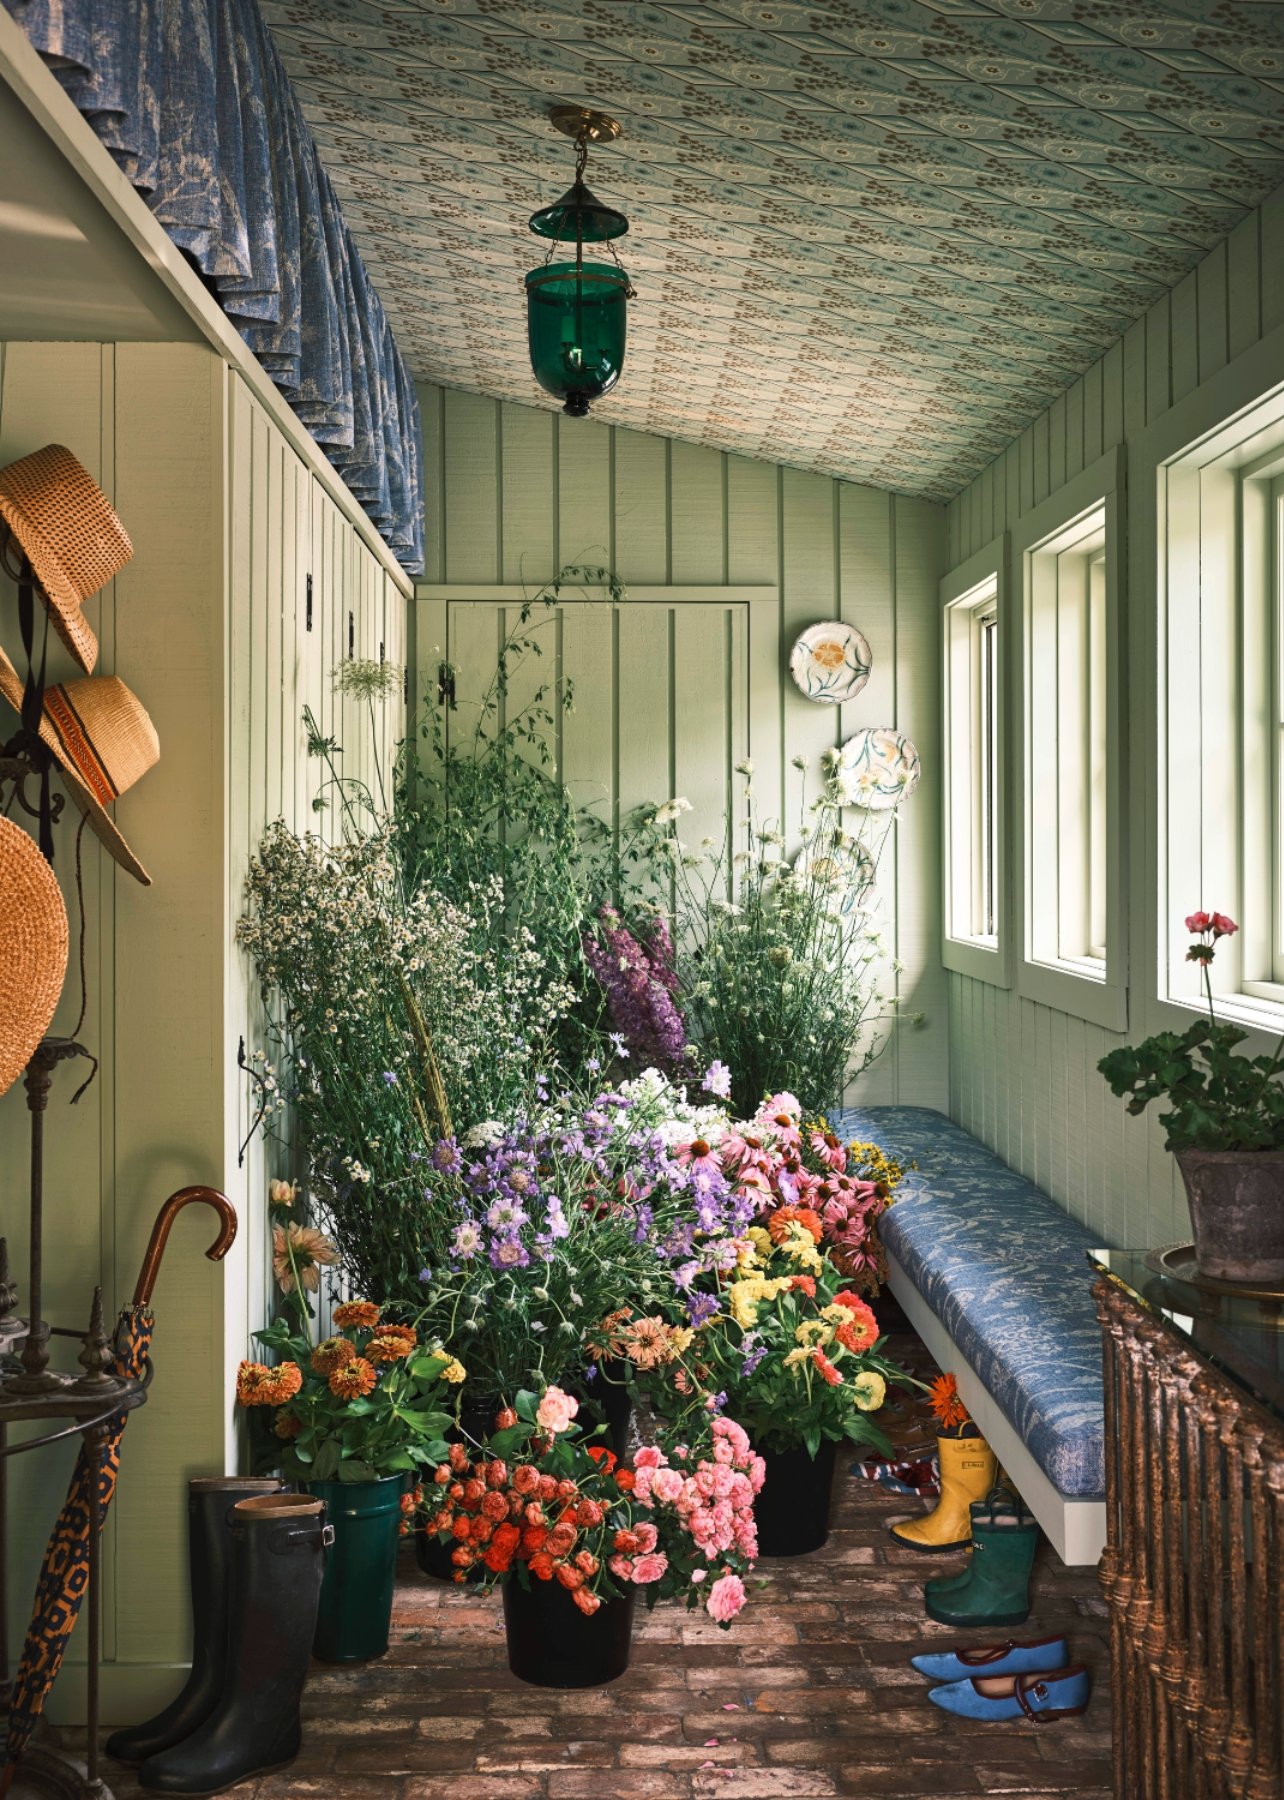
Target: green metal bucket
[[361, 1567]]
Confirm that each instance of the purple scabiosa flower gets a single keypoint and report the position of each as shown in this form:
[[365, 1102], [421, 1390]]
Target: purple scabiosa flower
[[425, 1276], [445, 1156], [555, 1220], [752, 1358], [466, 1239], [717, 1080], [506, 1217], [390, 1077], [508, 1253], [702, 1308]]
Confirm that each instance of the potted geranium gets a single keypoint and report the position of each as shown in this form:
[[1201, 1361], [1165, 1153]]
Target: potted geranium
[[1224, 1123], [357, 1419], [573, 1536]]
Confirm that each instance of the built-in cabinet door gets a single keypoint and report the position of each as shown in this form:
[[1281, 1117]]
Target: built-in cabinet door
[[659, 697]]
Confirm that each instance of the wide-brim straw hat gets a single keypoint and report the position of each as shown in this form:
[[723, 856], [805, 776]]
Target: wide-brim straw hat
[[104, 741], [33, 949], [70, 534]]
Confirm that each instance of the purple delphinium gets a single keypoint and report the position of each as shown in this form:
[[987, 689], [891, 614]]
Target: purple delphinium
[[639, 980]]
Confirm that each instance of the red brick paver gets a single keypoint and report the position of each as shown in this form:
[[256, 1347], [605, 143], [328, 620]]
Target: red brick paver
[[808, 1696]]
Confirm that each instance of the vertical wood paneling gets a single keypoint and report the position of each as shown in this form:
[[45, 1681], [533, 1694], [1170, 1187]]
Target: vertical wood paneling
[[680, 514], [699, 545], [641, 465], [1026, 1078]]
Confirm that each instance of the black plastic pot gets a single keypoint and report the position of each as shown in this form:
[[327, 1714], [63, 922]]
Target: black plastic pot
[[792, 1510], [611, 1403], [552, 1644], [431, 1552]]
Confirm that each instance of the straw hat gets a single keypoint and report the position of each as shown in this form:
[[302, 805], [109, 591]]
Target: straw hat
[[33, 949], [103, 740], [72, 538]]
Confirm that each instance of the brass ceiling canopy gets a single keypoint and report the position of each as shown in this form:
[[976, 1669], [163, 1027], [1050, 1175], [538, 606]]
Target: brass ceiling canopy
[[583, 122]]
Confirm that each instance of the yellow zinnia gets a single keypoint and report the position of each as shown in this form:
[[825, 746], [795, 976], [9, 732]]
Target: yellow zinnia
[[868, 1390], [454, 1372], [794, 1357]]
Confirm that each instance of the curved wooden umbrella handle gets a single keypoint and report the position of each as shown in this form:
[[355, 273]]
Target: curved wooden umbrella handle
[[161, 1230]]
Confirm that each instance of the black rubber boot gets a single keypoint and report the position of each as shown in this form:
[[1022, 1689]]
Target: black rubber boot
[[210, 1500], [278, 1559]]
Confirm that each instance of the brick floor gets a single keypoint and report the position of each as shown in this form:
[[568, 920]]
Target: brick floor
[[809, 1695]]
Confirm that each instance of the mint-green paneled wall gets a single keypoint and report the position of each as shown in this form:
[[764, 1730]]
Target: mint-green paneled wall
[[515, 492], [1023, 1076]]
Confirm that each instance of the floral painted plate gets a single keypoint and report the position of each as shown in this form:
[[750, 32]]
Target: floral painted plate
[[830, 662], [846, 868], [876, 769]]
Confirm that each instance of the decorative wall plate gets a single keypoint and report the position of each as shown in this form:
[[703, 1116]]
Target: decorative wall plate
[[848, 868], [830, 662], [877, 769]]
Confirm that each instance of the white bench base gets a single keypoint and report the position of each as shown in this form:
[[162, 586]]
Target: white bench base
[[1076, 1528]]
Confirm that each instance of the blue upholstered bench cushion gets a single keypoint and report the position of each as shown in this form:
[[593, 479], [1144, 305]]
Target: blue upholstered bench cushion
[[1002, 1267]]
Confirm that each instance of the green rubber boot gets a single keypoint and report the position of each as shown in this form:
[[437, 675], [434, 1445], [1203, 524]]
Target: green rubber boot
[[994, 1589]]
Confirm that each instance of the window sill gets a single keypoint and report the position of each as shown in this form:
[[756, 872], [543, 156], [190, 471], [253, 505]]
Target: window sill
[[981, 959], [1083, 989], [1258, 1007]]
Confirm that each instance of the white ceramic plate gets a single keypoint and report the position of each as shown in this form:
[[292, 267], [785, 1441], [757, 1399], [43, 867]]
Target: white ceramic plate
[[830, 662], [849, 869], [877, 769]]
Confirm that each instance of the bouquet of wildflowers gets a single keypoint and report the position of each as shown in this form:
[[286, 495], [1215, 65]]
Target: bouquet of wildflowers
[[533, 1231], [360, 1405], [390, 1021], [542, 1502], [779, 963]]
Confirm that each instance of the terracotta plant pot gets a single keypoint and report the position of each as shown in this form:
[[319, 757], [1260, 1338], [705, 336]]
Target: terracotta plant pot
[[792, 1511], [552, 1644], [1236, 1200]]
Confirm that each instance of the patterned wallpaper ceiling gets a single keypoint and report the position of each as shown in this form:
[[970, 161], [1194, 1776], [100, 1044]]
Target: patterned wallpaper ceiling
[[870, 237]]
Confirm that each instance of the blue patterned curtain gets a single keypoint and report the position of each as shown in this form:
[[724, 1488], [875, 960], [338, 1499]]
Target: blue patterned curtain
[[193, 102]]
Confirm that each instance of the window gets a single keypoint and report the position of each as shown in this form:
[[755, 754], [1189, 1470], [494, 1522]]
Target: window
[[1066, 726], [1221, 678], [1072, 938], [974, 835]]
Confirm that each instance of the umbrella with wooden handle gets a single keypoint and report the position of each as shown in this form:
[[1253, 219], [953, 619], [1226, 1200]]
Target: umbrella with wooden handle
[[64, 1574]]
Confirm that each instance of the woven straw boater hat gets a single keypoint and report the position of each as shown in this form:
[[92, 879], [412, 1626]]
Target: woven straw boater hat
[[72, 538], [103, 740], [33, 949]]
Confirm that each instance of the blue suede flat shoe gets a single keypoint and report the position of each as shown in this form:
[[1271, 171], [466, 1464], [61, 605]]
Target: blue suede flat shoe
[[1010, 1658], [1056, 1694]]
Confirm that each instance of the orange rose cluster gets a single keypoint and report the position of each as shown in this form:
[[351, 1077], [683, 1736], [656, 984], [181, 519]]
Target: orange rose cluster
[[498, 1515]]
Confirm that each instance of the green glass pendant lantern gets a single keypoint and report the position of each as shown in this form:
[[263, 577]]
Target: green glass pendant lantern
[[576, 312]]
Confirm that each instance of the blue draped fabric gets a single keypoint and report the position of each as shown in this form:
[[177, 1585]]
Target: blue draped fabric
[[193, 102]]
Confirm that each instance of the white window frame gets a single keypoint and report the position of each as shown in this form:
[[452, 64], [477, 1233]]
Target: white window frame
[[1089, 987], [974, 823], [1220, 519]]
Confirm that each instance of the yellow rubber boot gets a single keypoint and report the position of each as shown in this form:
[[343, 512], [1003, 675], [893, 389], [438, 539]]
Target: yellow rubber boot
[[968, 1472]]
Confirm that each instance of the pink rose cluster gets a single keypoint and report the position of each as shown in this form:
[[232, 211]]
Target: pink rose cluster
[[712, 1503]]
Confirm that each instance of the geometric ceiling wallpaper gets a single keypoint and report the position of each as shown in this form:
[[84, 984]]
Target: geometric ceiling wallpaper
[[869, 237]]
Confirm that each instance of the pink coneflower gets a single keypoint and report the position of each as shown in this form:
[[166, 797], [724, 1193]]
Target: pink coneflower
[[698, 1156]]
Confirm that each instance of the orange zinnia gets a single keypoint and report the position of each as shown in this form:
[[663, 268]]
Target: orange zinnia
[[287, 1379], [353, 1380], [331, 1354], [785, 1216], [388, 1347], [363, 1314], [255, 1384], [287, 1425], [943, 1398]]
